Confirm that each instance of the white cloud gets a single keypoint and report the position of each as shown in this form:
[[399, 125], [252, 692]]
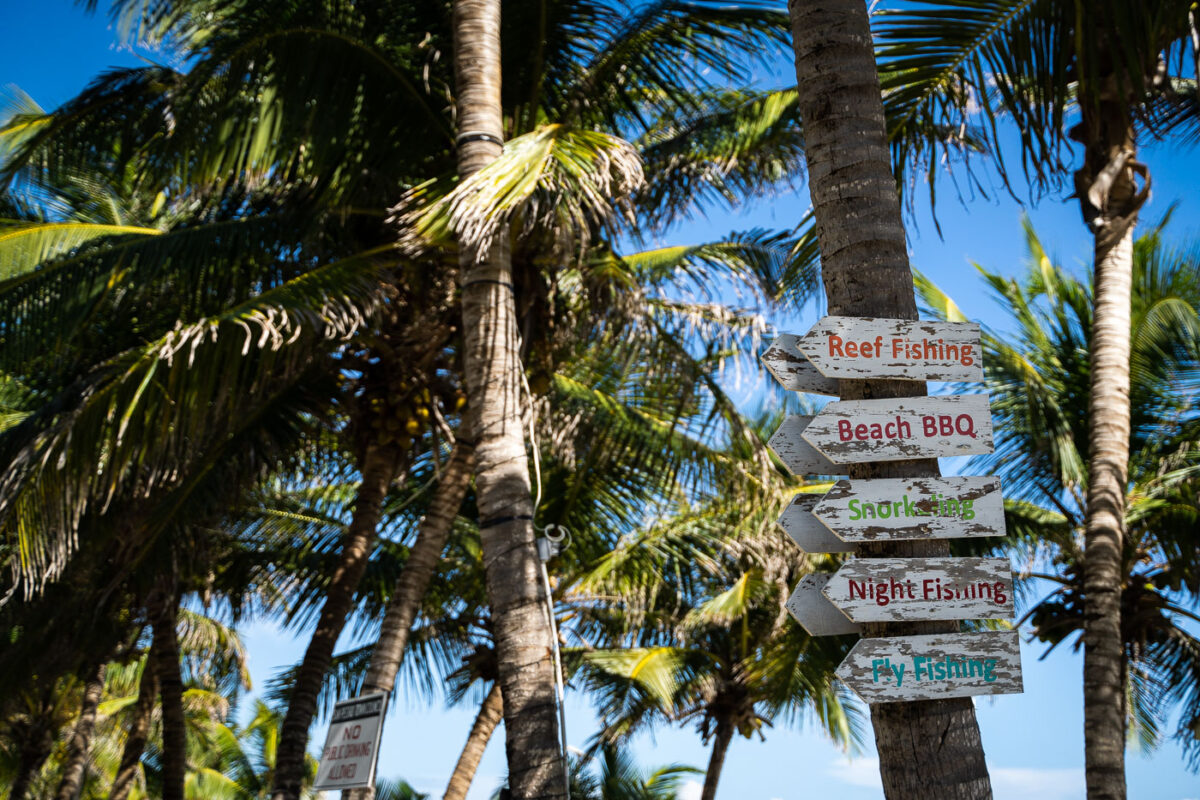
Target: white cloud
[[690, 790], [1008, 783], [1019, 783], [858, 772]]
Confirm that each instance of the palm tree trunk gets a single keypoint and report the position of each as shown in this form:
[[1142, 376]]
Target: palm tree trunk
[[378, 469], [35, 747], [75, 764], [414, 580], [419, 568], [716, 761], [139, 732], [174, 725], [866, 273], [32, 756], [1103, 651], [481, 732], [1111, 138], [493, 374]]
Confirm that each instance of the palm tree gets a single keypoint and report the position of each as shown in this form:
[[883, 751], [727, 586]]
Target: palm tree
[[1118, 65], [681, 644], [253, 161], [1039, 384], [866, 273], [616, 776]]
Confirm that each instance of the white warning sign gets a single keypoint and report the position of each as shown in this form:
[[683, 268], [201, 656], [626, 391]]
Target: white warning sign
[[352, 744]]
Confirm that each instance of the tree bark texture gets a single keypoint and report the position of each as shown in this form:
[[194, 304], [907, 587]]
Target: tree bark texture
[[174, 725], [493, 375], [139, 732], [1111, 210], [33, 753], [933, 748], [379, 467], [716, 761], [75, 765], [485, 724], [418, 571], [414, 580]]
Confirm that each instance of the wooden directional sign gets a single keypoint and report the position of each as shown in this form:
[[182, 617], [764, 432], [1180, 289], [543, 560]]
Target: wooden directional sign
[[907, 589], [933, 667], [913, 508], [793, 371], [854, 347], [813, 610], [798, 455], [806, 530], [852, 431]]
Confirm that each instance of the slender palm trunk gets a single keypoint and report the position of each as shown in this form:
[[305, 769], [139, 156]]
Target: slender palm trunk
[[1109, 142], [174, 725], [422, 561], [378, 469], [716, 761], [493, 375], [35, 748], [472, 753], [32, 756], [139, 731], [75, 765], [865, 269], [1103, 650], [414, 580]]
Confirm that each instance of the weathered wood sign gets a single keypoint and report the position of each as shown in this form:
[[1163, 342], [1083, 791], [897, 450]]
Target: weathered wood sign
[[907, 589], [793, 371], [798, 455], [813, 610], [918, 350], [853, 431], [807, 531], [913, 508], [933, 667]]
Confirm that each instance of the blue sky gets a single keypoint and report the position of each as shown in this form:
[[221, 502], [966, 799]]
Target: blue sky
[[1034, 741]]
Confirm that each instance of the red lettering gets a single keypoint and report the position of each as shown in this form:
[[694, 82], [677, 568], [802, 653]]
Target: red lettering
[[903, 428], [897, 347], [851, 349], [946, 425], [835, 345], [965, 430], [929, 424], [860, 431], [352, 732], [865, 349], [844, 430]]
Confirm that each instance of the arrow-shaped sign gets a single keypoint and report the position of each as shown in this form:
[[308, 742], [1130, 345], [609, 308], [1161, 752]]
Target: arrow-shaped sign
[[813, 610], [807, 531], [913, 508], [852, 431], [856, 347], [798, 455], [933, 667], [793, 371], [905, 589]]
